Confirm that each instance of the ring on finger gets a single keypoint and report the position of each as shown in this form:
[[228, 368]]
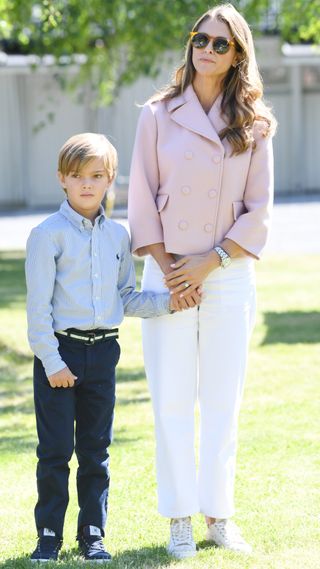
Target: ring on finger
[[186, 284]]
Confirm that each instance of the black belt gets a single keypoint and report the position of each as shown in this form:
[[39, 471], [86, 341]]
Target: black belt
[[89, 337]]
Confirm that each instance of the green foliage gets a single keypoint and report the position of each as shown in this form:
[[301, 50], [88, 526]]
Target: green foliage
[[301, 20], [123, 39]]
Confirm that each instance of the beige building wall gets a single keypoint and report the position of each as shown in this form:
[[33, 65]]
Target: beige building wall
[[37, 116]]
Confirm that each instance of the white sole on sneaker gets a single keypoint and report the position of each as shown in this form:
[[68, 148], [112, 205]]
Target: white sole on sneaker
[[181, 554], [97, 560]]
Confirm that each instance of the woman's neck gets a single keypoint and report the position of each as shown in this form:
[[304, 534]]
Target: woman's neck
[[207, 90]]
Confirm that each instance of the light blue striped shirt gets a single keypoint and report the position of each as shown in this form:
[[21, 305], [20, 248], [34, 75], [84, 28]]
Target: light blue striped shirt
[[80, 275]]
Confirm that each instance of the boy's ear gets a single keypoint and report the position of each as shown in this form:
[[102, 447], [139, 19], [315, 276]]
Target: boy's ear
[[61, 179]]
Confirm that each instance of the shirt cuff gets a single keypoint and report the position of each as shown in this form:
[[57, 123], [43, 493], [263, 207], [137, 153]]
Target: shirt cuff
[[164, 304], [53, 364]]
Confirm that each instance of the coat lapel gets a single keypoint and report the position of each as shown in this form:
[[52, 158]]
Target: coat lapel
[[215, 117], [187, 111]]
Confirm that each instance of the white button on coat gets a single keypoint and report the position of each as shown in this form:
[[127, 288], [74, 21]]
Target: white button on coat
[[186, 190], [183, 225], [208, 227], [177, 145]]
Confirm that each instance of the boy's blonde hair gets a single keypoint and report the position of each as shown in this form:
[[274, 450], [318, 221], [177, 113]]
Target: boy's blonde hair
[[78, 150]]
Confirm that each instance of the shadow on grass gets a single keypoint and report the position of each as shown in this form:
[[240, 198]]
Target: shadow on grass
[[23, 444], [292, 327], [24, 407], [124, 376], [120, 436], [144, 558], [18, 443], [132, 401], [14, 356], [205, 544], [16, 395]]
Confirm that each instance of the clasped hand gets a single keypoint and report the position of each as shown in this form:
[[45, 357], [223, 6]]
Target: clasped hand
[[189, 274], [63, 378]]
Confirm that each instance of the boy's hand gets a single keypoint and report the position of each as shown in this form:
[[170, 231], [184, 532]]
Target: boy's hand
[[189, 301], [63, 378]]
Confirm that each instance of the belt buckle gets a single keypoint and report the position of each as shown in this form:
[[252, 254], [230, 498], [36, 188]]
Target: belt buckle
[[91, 339]]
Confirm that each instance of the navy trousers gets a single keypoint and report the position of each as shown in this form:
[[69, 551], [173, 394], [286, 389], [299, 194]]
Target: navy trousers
[[77, 418]]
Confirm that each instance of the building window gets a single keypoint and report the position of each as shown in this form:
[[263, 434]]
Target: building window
[[311, 78], [275, 76]]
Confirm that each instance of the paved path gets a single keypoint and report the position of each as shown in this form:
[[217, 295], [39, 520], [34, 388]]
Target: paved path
[[296, 227]]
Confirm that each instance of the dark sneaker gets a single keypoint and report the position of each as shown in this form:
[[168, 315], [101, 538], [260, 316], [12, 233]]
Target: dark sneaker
[[91, 545], [48, 547]]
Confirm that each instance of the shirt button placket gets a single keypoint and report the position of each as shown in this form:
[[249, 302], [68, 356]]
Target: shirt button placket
[[97, 278]]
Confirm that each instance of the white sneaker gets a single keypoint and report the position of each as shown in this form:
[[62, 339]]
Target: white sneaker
[[226, 533], [181, 539]]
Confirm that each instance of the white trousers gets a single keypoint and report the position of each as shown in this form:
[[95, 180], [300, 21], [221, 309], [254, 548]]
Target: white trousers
[[199, 354]]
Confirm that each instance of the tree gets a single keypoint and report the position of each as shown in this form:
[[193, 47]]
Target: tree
[[122, 39], [300, 21]]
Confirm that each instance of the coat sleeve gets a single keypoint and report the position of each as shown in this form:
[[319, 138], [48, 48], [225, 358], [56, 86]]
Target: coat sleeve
[[251, 229], [144, 220]]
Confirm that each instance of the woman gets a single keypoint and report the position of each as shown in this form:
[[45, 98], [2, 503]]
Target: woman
[[200, 197]]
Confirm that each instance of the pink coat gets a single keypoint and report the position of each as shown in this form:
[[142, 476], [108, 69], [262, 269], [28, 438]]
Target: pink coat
[[187, 191]]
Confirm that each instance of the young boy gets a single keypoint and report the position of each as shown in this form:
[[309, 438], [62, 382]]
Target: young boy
[[80, 283]]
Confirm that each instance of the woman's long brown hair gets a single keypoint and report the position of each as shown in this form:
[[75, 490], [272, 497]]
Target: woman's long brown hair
[[242, 102]]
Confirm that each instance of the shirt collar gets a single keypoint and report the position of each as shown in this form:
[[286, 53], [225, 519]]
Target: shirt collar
[[78, 220]]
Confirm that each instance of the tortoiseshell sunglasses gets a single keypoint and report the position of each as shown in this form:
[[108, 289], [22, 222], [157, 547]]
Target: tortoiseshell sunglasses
[[220, 44]]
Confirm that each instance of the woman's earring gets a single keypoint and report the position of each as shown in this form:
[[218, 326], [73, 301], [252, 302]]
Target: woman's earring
[[237, 63]]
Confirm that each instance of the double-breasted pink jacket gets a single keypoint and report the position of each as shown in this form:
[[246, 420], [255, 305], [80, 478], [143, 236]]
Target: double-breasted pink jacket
[[186, 189]]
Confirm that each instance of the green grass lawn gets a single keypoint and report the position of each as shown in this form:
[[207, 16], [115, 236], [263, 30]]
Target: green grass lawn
[[277, 491]]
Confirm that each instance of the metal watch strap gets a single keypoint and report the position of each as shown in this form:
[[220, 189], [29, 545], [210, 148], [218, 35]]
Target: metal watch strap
[[225, 259]]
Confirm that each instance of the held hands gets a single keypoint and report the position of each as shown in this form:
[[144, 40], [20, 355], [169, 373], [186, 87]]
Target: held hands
[[165, 261], [63, 378], [189, 274], [189, 301]]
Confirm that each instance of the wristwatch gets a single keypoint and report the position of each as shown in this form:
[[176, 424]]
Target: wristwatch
[[225, 259]]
